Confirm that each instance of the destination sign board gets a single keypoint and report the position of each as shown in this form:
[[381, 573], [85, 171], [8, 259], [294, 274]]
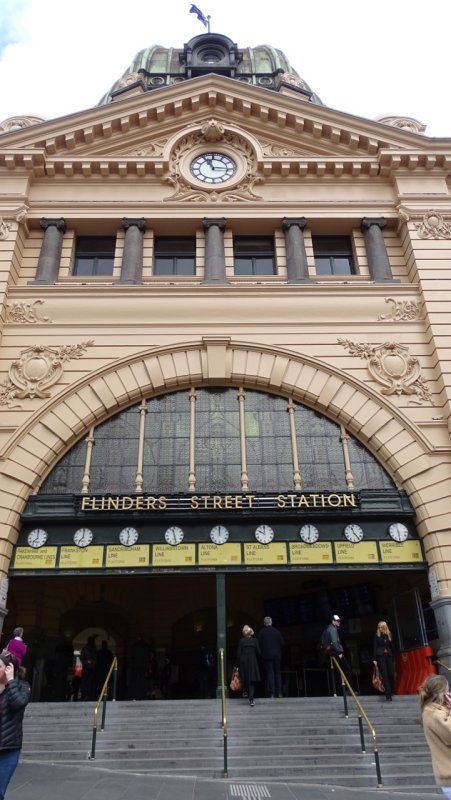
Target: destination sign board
[[274, 553], [402, 552], [212, 554], [29, 558], [135, 556], [81, 557], [317, 553]]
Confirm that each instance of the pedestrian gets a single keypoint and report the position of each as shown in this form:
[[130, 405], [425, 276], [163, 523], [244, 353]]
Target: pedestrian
[[16, 646], [88, 658], [435, 705], [102, 667], [332, 646], [247, 658], [207, 671], [383, 657], [14, 696], [271, 647]]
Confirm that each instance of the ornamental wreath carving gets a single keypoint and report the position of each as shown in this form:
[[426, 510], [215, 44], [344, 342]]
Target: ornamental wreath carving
[[38, 368], [433, 226], [391, 365], [402, 310], [25, 312]]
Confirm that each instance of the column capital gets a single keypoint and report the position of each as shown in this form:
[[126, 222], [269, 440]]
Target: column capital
[[299, 222], [59, 223], [129, 222], [220, 223], [368, 222]]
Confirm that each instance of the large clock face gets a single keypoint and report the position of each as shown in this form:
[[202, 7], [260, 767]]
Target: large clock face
[[213, 168]]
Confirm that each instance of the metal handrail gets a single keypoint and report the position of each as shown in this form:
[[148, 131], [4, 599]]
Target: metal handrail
[[441, 664], [361, 714], [223, 709], [103, 697]]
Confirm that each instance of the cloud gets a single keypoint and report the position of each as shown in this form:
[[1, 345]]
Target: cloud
[[10, 27]]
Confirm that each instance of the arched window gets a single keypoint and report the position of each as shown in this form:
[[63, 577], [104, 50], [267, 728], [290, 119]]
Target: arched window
[[216, 440]]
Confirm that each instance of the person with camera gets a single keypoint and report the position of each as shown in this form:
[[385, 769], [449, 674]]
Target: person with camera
[[14, 696], [435, 706]]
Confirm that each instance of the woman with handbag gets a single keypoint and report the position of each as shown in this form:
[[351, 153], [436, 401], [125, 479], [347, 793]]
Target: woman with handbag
[[247, 659], [383, 657]]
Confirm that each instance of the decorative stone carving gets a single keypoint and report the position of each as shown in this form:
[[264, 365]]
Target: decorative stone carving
[[391, 365], [7, 220], [433, 226], [402, 310], [213, 131], [38, 368], [155, 149], [25, 312], [185, 192], [405, 123], [16, 123], [280, 151]]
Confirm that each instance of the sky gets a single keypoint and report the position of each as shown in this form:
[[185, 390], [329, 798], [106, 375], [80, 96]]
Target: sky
[[367, 59]]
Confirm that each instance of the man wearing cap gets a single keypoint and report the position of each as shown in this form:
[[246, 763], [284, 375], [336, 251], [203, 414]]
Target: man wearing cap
[[333, 645], [271, 646]]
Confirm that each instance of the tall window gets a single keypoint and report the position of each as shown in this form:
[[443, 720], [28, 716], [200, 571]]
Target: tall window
[[333, 255], [254, 255], [175, 255], [94, 255]]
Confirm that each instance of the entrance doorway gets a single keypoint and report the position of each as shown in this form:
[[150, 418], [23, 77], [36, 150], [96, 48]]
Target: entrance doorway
[[161, 625]]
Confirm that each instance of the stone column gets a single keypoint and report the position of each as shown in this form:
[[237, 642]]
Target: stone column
[[214, 270], [297, 267], [442, 612], [376, 251], [132, 259], [50, 255]]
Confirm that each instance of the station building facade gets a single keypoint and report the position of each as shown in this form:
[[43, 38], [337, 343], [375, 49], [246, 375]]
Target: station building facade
[[225, 383]]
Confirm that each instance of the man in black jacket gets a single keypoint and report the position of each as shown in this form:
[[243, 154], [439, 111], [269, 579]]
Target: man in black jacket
[[271, 645], [332, 646]]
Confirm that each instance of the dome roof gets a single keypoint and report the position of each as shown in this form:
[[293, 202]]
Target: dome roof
[[263, 66]]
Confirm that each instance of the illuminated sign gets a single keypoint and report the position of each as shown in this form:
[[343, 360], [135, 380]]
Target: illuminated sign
[[182, 555], [274, 553], [212, 554], [317, 553], [402, 552], [29, 558], [135, 556], [81, 557], [360, 553]]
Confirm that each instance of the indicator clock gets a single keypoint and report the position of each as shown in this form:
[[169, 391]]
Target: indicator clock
[[174, 535], [264, 534], [219, 534], [353, 533], [128, 536]]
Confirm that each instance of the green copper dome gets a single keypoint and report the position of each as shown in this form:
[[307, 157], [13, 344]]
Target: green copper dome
[[262, 66]]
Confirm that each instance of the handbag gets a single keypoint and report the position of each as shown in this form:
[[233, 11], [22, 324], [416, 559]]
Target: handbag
[[377, 680], [236, 684]]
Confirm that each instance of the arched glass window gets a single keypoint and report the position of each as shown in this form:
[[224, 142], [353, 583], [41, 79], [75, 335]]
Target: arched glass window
[[216, 440]]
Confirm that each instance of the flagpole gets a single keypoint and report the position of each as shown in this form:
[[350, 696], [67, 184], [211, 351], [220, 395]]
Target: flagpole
[[208, 20]]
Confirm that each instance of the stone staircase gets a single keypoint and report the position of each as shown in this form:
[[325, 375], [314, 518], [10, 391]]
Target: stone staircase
[[294, 740]]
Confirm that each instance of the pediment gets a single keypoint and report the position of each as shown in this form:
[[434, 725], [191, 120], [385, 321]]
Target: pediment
[[283, 128]]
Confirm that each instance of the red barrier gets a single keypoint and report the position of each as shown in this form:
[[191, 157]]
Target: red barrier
[[412, 667]]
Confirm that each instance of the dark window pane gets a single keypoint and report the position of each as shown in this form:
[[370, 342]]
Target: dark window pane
[[175, 255], [243, 266], [333, 255], [94, 255], [254, 255], [264, 266]]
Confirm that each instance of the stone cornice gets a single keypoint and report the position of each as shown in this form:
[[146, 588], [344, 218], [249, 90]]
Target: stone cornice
[[236, 100]]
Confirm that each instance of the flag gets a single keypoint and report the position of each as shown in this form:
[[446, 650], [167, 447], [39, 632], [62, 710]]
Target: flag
[[201, 17]]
